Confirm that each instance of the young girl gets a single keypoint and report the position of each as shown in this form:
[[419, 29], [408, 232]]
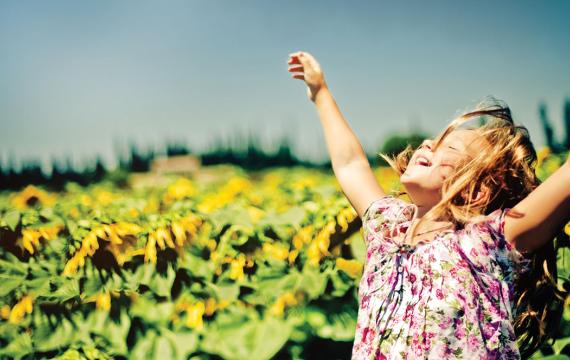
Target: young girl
[[467, 269]]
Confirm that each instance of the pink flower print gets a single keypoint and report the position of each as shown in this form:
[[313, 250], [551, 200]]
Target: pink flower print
[[460, 332], [473, 252], [495, 310], [365, 301], [414, 290], [473, 341], [426, 343], [494, 289], [412, 278], [409, 311], [445, 323], [379, 356], [489, 329], [367, 334], [439, 294]]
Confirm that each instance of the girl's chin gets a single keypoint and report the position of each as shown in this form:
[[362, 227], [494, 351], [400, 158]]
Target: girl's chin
[[419, 183], [415, 174]]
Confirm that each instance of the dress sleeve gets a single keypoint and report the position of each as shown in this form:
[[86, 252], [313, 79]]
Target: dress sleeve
[[383, 219], [505, 254]]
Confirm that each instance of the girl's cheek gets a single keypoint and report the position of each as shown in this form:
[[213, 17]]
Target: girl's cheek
[[445, 171]]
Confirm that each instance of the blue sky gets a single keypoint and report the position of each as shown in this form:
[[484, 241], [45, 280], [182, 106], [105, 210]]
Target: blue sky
[[78, 77]]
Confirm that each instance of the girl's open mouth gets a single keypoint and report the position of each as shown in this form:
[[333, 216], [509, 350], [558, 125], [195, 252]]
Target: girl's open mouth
[[422, 161]]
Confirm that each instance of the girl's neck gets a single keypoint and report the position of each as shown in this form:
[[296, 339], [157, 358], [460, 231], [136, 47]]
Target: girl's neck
[[421, 210], [427, 225]]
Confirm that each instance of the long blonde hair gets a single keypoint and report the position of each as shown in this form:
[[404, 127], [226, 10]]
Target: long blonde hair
[[505, 172]]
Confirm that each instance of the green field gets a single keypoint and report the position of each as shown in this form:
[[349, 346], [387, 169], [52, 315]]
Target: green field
[[234, 265]]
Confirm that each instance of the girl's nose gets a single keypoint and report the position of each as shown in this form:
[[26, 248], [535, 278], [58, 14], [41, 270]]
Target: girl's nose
[[428, 143]]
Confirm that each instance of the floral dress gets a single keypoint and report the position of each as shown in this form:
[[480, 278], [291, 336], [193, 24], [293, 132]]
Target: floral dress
[[448, 298]]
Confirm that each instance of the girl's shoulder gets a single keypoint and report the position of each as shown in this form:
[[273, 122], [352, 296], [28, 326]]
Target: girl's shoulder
[[385, 218], [388, 207], [485, 235]]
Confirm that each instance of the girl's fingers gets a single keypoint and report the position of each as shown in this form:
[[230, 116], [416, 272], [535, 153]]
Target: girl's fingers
[[294, 60], [298, 76], [295, 68]]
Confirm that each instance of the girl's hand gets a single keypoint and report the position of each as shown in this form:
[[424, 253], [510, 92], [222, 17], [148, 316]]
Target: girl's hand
[[310, 72]]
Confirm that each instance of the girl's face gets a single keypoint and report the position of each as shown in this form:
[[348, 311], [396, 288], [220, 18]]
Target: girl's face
[[430, 166]]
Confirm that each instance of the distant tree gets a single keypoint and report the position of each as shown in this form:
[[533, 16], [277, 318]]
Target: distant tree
[[177, 148], [398, 142], [567, 123], [547, 127], [551, 141]]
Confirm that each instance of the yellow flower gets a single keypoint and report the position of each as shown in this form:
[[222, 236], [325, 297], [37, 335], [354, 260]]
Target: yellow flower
[[179, 233], [285, 300], [86, 200], [151, 206], [255, 199], [344, 217], [255, 214], [194, 315], [103, 196], [163, 236], [5, 311], [542, 154], [292, 256], [111, 234], [50, 233], [225, 195], [100, 232], [150, 249], [276, 251], [74, 212], [303, 237], [313, 254], [70, 266], [272, 180], [304, 182], [90, 243], [319, 247], [124, 228], [249, 262], [567, 228], [212, 244], [133, 212], [31, 196], [181, 188], [20, 309], [352, 268], [103, 301], [210, 307], [30, 238], [236, 268]]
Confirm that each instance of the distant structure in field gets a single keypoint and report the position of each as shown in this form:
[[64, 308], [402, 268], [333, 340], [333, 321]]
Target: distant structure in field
[[179, 164]]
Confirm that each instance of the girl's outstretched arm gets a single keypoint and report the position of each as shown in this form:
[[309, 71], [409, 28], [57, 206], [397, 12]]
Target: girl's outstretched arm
[[543, 211], [349, 162]]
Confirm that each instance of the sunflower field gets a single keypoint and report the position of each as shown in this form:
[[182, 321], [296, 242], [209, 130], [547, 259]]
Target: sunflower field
[[233, 266]]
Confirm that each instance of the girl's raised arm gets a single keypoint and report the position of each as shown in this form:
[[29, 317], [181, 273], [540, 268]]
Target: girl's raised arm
[[543, 211], [349, 162]]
